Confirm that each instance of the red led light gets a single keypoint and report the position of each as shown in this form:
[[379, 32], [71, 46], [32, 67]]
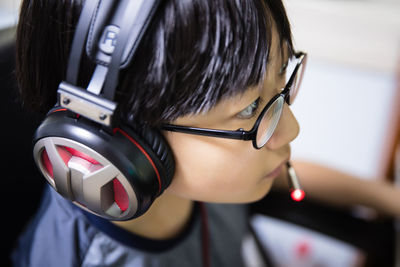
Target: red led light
[[298, 195]]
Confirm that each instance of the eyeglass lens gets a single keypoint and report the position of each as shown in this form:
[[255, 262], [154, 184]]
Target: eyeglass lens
[[271, 117], [269, 122]]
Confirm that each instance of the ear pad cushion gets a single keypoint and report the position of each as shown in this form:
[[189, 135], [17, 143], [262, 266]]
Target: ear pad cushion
[[156, 141]]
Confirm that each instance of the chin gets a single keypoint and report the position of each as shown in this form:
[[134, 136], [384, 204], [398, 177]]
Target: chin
[[259, 193], [262, 190]]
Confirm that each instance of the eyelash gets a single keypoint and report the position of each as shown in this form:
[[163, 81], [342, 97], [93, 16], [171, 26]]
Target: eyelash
[[255, 107]]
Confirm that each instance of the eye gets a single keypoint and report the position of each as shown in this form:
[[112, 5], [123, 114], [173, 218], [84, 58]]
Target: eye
[[250, 110]]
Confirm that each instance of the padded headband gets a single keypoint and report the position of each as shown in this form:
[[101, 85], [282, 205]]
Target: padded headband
[[112, 31]]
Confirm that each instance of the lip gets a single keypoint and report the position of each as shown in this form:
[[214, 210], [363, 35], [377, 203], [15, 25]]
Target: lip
[[275, 173]]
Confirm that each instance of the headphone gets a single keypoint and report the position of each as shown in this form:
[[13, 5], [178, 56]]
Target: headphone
[[85, 152]]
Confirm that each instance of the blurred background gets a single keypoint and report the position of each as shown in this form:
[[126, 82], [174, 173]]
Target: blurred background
[[8, 12], [349, 114], [348, 110]]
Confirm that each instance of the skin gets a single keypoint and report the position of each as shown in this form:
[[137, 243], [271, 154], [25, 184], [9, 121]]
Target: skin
[[221, 170]]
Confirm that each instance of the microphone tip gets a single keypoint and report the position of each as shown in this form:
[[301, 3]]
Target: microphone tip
[[298, 195]]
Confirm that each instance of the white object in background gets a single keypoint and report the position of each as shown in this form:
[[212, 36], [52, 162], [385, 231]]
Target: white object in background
[[294, 246]]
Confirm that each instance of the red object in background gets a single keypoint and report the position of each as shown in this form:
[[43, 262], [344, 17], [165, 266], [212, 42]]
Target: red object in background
[[303, 249]]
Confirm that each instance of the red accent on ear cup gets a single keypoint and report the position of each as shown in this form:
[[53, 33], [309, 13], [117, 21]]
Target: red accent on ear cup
[[47, 164], [144, 153], [60, 109], [121, 198], [80, 154], [120, 195], [64, 154]]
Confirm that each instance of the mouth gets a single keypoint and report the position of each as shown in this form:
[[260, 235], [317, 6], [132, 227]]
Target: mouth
[[277, 171]]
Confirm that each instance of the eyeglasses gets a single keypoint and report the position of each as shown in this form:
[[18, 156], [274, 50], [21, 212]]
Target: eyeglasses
[[268, 119]]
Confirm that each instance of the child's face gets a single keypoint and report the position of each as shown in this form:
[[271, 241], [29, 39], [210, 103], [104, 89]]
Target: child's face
[[225, 170]]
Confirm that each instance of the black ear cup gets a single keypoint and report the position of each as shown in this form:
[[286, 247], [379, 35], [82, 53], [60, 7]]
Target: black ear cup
[[159, 145], [116, 175]]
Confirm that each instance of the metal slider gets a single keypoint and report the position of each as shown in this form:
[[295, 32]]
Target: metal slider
[[86, 104]]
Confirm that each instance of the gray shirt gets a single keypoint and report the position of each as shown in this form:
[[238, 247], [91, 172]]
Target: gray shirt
[[63, 235]]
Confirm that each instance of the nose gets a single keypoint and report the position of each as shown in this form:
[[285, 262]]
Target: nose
[[286, 131]]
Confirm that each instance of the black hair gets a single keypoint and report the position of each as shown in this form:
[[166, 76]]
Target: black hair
[[194, 53]]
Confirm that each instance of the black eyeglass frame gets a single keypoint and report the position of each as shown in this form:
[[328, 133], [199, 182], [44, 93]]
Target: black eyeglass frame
[[241, 134]]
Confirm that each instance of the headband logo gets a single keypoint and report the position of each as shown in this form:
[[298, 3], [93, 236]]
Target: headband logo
[[109, 39]]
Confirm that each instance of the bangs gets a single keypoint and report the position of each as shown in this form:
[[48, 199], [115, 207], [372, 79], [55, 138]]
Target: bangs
[[199, 52]]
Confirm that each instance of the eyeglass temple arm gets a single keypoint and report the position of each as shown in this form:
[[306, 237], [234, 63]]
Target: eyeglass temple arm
[[300, 55], [239, 134]]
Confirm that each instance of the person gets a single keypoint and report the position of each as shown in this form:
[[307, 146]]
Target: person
[[201, 64]]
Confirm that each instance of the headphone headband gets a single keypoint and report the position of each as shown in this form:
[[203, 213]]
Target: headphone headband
[[112, 31]]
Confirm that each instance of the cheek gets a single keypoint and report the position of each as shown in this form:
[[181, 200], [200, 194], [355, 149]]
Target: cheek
[[217, 170]]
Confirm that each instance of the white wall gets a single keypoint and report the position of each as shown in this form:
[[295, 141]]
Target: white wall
[[348, 92]]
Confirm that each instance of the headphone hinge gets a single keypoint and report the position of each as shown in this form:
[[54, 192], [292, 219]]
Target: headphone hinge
[[87, 104]]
